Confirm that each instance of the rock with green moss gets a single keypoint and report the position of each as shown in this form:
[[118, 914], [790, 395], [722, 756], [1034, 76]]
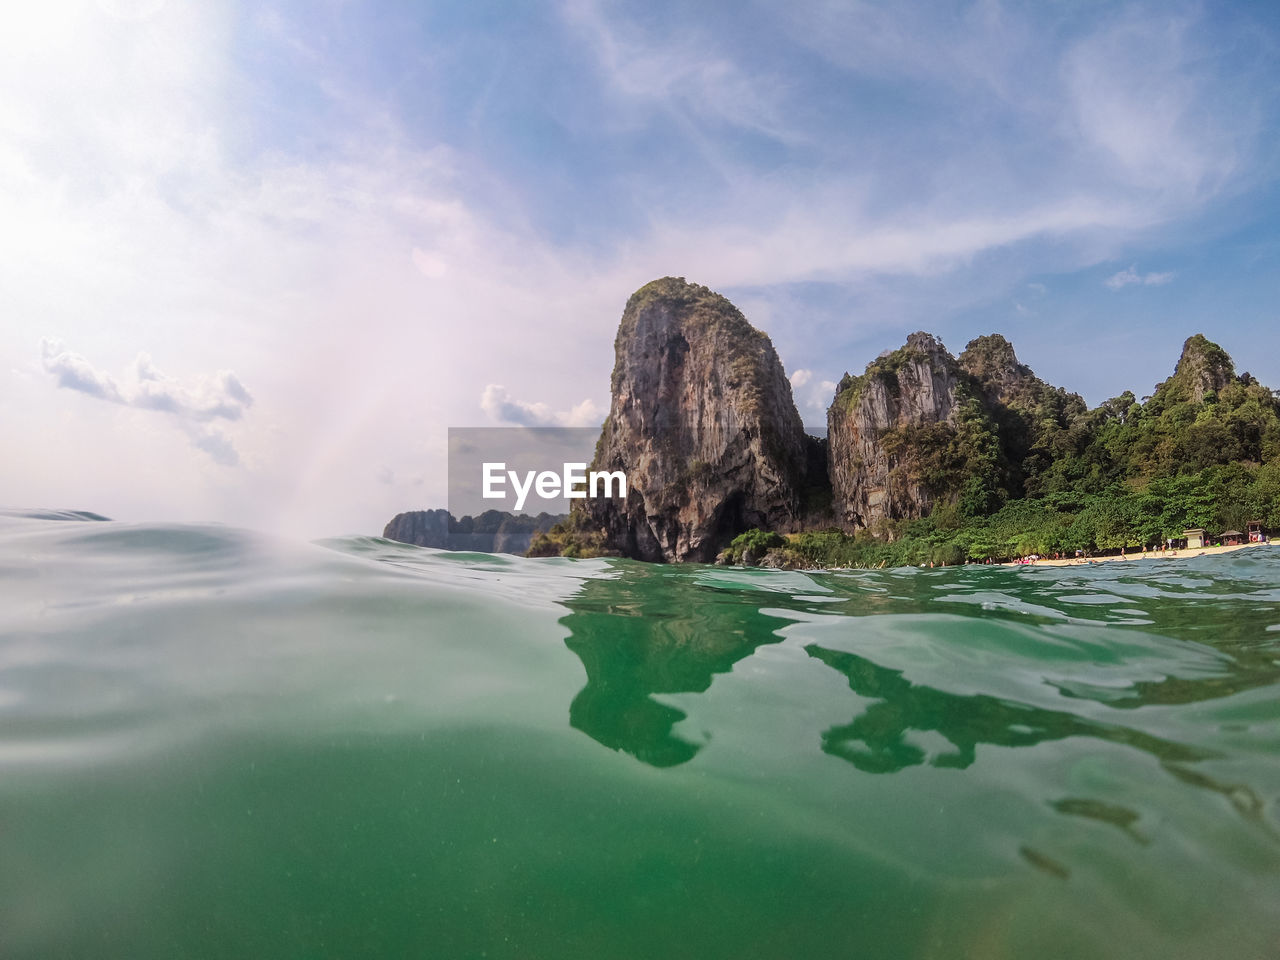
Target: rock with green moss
[[1034, 420], [990, 360], [1203, 369], [885, 429], [703, 423]]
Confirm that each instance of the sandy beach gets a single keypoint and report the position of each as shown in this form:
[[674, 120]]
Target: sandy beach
[[1139, 555]]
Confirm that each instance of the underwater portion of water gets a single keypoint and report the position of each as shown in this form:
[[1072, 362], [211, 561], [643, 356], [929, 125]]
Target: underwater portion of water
[[215, 744]]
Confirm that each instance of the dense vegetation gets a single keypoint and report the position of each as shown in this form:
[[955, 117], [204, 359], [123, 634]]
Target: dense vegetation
[[1039, 472], [1217, 498], [574, 536]]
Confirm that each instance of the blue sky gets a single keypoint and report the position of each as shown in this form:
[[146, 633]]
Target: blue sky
[[256, 259]]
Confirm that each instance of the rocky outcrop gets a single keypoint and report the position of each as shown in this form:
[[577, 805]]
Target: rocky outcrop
[[422, 528], [990, 360], [882, 423], [493, 531], [1032, 418], [703, 423], [1203, 368]]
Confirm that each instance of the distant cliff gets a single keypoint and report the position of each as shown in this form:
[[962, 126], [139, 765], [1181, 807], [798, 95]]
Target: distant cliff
[[703, 423], [422, 528], [493, 531]]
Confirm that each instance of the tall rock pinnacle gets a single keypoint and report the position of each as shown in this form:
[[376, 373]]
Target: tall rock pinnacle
[[702, 422]]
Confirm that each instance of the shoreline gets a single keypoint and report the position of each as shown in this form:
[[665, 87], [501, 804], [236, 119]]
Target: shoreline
[[1149, 555]]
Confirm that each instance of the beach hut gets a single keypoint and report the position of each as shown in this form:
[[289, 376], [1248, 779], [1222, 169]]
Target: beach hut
[[1232, 538], [1255, 531], [1194, 538]]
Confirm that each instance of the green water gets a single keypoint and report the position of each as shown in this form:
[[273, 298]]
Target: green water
[[216, 744]]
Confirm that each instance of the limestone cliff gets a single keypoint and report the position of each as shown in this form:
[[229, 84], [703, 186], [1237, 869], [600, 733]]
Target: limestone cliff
[[702, 422], [880, 426]]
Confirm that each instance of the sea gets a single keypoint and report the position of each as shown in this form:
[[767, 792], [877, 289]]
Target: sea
[[220, 743]]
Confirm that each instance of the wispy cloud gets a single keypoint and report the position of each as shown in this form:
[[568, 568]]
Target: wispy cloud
[[1147, 104], [194, 405], [680, 73], [1131, 276], [502, 407]]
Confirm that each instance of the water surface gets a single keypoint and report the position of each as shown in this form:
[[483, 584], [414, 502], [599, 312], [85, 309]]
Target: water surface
[[215, 743]]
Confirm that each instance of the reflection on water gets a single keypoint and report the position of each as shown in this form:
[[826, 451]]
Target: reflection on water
[[651, 633], [1108, 813], [876, 740], [656, 630], [212, 742]]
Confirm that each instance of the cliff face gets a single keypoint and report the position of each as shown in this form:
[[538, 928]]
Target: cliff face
[[904, 404], [703, 423]]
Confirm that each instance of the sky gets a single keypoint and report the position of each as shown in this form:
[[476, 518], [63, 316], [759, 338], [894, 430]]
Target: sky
[[257, 258]]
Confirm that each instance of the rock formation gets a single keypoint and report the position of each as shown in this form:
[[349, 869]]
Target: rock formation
[[422, 528], [1033, 419], [1204, 367], [702, 422], [493, 531], [878, 425], [990, 360]]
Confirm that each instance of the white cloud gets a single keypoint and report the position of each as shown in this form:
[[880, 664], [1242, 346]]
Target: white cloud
[[812, 397], [211, 441], [429, 264], [220, 396], [1131, 275], [74, 372], [498, 403]]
